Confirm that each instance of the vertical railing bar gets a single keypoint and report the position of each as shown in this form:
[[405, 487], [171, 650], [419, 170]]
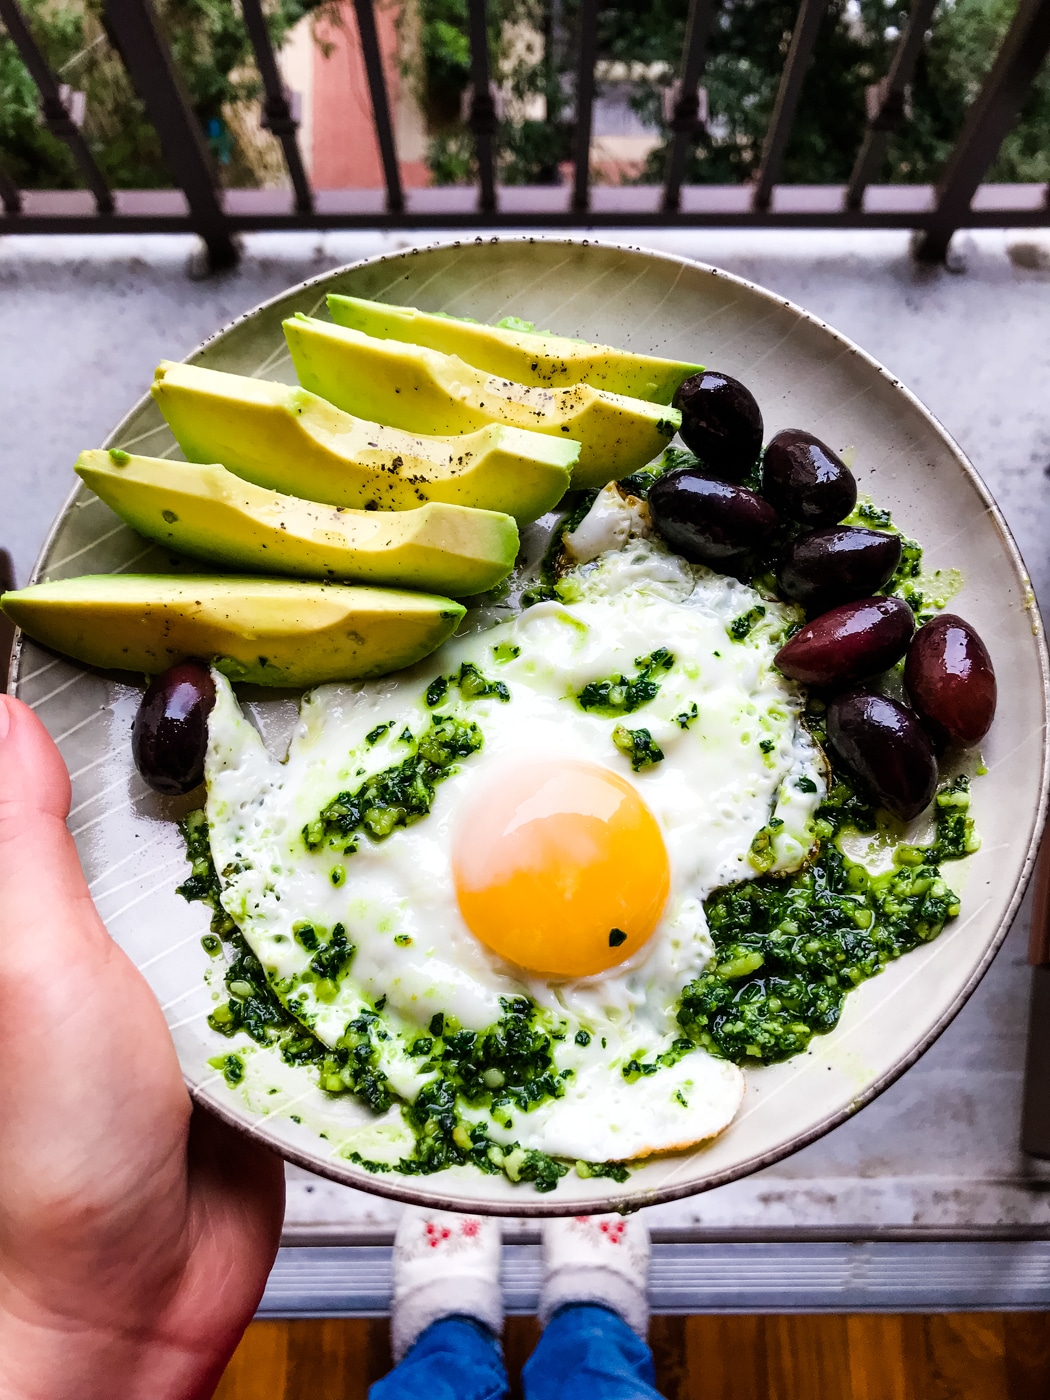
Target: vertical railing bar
[[384, 128], [158, 82], [687, 107], [891, 107], [483, 120], [990, 118], [588, 55], [57, 117], [803, 37], [277, 113], [10, 194]]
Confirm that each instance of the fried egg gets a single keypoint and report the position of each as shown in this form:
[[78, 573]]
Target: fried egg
[[602, 762]]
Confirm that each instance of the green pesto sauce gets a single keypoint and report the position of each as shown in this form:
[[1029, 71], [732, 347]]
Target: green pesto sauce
[[639, 746], [472, 685], [404, 792], [925, 593], [787, 950], [741, 627], [232, 1067], [621, 695], [397, 796]]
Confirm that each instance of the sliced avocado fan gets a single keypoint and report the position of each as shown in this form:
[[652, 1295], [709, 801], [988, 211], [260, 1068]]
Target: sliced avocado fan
[[286, 438], [424, 391]]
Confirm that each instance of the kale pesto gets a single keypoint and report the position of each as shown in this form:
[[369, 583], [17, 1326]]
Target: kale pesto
[[639, 746], [741, 627], [506, 1069], [787, 950], [354, 1063], [903, 582], [203, 883], [762, 853], [398, 795], [622, 696], [471, 683], [232, 1067]]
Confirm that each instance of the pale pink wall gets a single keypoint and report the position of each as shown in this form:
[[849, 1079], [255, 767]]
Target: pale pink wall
[[345, 152]]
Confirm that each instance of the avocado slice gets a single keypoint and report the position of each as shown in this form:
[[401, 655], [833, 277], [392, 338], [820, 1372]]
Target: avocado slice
[[516, 351], [421, 390], [208, 512], [288, 439], [267, 631]]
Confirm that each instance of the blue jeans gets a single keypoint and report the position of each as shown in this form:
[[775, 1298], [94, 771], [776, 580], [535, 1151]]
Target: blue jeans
[[585, 1351]]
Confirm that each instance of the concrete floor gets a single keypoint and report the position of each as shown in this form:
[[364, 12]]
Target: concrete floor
[[85, 320]]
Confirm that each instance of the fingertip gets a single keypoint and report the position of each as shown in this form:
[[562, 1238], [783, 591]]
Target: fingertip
[[32, 771]]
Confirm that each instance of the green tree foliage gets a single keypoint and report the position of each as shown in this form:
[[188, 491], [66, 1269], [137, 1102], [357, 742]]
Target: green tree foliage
[[529, 149], [746, 54], [965, 39], [28, 150], [213, 52]]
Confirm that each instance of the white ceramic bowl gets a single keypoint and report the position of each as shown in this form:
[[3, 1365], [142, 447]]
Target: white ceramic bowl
[[804, 375]]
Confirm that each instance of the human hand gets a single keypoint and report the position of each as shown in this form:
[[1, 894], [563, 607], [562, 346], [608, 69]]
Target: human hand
[[136, 1233]]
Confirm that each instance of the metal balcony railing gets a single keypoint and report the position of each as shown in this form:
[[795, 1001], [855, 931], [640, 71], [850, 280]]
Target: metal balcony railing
[[935, 212]]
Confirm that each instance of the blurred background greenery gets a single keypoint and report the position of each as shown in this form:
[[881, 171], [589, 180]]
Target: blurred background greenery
[[533, 52]]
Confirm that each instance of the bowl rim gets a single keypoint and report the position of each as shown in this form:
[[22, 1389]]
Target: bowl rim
[[536, 1206]]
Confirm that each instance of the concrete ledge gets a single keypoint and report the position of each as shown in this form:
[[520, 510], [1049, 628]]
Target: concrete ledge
[[715, 1278]]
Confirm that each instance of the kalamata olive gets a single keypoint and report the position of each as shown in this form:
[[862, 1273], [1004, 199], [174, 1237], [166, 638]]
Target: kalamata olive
[[170, 733], [710, 522], [883, 744], [721, 423], [949, 679], [805, 481], [849, 643], [838, 564]]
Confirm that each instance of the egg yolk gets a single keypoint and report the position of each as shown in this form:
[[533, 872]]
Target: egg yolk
[[561, 868]]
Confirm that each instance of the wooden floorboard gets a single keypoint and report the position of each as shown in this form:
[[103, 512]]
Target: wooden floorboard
[[942, 1356]]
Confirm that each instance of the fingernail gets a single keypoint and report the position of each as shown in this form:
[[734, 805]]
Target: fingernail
[[5, 717]]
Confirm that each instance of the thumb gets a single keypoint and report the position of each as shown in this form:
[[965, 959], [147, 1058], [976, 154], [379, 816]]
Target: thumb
[[92, 1102], [43, 894]]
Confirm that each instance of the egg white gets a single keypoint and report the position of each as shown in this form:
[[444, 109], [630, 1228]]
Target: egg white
[[713, 793]]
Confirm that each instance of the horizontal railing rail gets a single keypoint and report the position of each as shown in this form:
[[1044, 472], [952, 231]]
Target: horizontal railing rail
[[197, 204]]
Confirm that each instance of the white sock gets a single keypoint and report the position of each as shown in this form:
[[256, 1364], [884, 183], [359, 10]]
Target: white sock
[[600, 1259], [445, 1265]]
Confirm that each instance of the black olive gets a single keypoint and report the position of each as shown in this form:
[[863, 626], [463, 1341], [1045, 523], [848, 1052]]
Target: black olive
[[721, 423], [806, 481], [837, 565], [170, 734], [949, 679], [884, 745], [710, 522], [848, 643]]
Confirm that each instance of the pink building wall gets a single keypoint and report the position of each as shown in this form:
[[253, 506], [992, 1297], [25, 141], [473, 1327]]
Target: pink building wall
[[345, 151]]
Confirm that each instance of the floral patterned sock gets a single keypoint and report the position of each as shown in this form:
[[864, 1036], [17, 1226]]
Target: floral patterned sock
[[600, 1259], [445, 1265]]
